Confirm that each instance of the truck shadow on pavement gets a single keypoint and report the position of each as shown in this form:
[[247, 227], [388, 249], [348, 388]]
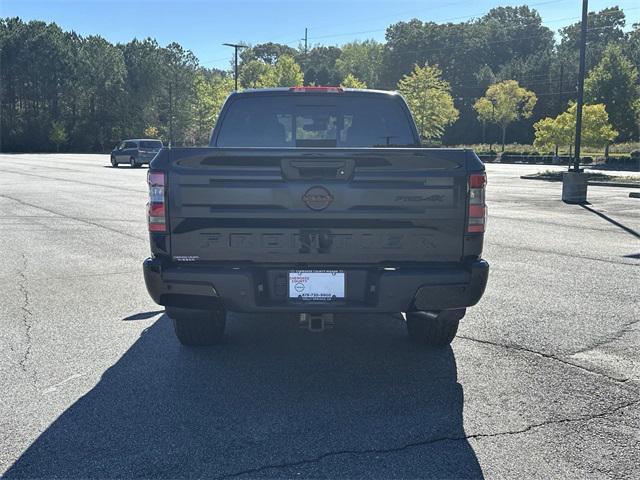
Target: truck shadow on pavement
[[629, 230], [274, 401]]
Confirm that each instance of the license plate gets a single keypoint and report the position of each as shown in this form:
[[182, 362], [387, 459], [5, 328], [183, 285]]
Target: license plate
[[320, 285]]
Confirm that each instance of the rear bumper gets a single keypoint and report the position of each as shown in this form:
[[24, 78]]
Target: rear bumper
[[369, 289]]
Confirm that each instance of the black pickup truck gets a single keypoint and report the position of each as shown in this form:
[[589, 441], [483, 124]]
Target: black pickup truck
[[316, 201]]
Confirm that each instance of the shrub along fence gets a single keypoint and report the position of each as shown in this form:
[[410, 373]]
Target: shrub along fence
[[530, 159], [623, 162]]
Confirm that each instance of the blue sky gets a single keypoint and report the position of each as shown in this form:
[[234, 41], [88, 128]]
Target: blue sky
[[203, 25]]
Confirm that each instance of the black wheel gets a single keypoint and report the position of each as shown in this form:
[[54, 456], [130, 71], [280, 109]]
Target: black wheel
[[198, 327], [114, 164], [133, 163], [435, 329]]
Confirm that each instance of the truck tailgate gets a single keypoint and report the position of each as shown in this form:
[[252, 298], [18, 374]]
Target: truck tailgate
[[315, 205]]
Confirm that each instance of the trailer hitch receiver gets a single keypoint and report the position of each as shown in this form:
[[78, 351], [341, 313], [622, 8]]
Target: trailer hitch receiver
[[316, 322]]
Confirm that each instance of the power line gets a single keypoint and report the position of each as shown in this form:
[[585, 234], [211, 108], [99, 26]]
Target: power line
[[295, 42], [431, 9], [475, 16], [454, 47], [463, 17], [213, 60]]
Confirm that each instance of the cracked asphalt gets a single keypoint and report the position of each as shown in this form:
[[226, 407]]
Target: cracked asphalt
[[542, 381]]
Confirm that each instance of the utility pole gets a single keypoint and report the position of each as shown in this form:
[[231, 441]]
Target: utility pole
[[235, 46], [583, 44], [305, 40]]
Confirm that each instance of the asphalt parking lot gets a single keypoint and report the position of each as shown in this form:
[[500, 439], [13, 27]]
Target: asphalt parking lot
[[542, 381]]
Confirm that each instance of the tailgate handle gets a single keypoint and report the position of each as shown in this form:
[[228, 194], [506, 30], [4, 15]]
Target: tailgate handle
[[324, 169]]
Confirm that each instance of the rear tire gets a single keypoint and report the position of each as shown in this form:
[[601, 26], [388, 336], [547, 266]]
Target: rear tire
[[198, 327], [133, 163], [434, 329], [114, 163]]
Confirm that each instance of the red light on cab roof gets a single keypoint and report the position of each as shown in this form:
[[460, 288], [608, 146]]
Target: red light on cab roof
[[302, 89]]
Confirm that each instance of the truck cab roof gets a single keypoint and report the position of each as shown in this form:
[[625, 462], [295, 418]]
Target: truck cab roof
[[319, 90]]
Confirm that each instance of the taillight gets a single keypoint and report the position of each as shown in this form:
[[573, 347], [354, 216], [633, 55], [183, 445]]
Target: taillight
[[156, 211], [477, 213]]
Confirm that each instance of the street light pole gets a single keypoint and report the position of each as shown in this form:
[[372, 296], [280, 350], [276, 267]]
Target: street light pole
[[575, 181], [170, 115], [583, 44], [235, 46]]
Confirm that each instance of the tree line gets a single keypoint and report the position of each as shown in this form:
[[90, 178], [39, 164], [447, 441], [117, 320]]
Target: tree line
[[62, 91]]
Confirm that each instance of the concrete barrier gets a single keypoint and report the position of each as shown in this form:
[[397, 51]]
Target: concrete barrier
[[574, 187]]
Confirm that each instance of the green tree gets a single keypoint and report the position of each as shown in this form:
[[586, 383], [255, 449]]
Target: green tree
[[210, 93], [287, 73], [553, 133], [102, 93], [596, 131], [429, 98], [350, 81], [256, 74], [203, 109], [268, 52], [456, 48], [58, 135], [614, 82], [546, 134], [39, 83], [361, 59], [604, 27], [510, 33], [504, 103], [319, 65], [486, 114], [259, 74], [99, 92], [178, 95], [145, 84], [485, 77], [511, 42], [223, 86], [632, 45]]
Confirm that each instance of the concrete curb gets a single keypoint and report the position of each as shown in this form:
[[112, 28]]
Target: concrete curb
[[596, 183]]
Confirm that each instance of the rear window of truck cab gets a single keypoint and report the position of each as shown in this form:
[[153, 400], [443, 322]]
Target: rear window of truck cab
[[300, 120]]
